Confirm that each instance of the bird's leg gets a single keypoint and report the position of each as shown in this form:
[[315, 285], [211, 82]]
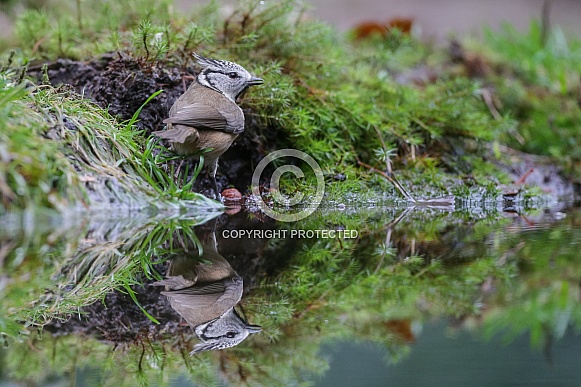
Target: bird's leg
[[212, 168], [217, 195], [179, 168]]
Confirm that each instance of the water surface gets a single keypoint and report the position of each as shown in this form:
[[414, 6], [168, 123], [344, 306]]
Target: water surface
[[362, 296]]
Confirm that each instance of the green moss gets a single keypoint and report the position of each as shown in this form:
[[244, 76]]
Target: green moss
[[62, 151], [31, 167], [337, 100], [537, 82]]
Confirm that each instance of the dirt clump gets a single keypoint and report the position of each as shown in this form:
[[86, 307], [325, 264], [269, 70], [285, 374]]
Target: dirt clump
[[122, 84]]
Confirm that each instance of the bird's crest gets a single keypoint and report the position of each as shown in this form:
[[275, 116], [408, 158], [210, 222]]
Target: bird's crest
[[208, 62]]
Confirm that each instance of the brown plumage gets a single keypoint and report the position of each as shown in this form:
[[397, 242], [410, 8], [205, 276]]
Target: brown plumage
[[206, 116], [204, 289]]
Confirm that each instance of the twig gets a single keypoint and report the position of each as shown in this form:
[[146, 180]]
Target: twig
[[79, 14], [524, 177], [487, 98], [144, 36], [390, 177], [37, 44], [312, 91]]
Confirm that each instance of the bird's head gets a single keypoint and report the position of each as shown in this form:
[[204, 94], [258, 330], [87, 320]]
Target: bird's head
[[223, 332], [226, 77]]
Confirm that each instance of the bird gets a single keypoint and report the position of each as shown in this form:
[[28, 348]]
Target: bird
[[204, 289], [206, 116]]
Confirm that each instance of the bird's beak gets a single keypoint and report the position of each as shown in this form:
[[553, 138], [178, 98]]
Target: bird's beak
[[255, 81], [253, 328]]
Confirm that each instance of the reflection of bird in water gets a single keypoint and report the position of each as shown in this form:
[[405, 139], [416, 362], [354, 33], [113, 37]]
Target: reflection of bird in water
[[204, 290]]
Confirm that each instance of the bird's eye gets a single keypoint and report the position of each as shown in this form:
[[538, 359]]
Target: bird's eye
[[230, 334], [232, 75]]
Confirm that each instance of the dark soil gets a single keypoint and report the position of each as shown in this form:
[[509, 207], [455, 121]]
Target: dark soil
[[122, 84], [119, 319]]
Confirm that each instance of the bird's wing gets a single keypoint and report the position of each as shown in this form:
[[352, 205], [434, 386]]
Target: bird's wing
[[175, 282], [201, 116], [195, 297], [213, 288], [181, 135]]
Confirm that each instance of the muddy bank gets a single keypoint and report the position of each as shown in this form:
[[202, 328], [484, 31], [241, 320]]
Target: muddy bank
[[121, 85], [119, 319]]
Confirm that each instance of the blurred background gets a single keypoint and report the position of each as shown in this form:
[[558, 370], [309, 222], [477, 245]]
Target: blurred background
[[439, 19], [432, 20]]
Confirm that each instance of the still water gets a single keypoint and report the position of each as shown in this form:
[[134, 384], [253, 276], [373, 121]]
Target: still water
[[479, 295], [459, 358]]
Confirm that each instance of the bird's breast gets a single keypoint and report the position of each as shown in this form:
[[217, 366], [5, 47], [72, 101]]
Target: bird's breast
[[217, 140]]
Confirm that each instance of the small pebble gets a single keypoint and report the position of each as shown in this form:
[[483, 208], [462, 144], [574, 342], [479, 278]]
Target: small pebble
[[231, 194]]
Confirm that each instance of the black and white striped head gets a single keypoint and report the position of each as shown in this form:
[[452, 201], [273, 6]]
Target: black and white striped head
[[226, 77], [223, 332]]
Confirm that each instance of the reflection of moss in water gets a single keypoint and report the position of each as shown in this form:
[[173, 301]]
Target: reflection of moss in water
[[373, 289], [55, 272], [353, 297], [545, 302]]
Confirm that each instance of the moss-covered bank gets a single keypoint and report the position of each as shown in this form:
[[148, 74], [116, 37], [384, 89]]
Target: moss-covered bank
[[444, 126], [376, 101], [64, 152]]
